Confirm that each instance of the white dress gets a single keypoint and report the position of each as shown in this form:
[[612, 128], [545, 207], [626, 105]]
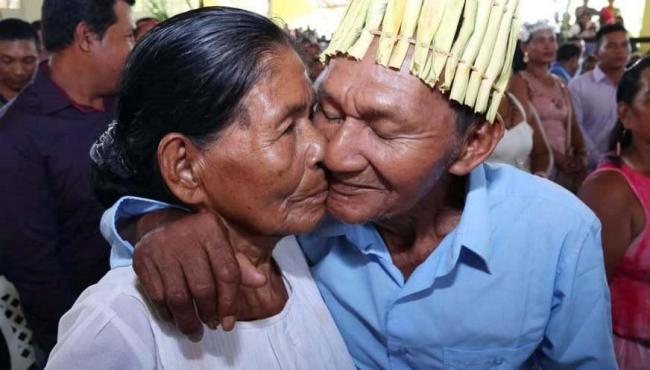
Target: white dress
[[111, 327], [517, 143]]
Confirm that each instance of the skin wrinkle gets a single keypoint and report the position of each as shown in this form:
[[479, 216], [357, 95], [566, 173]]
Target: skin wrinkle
[[401, 179]]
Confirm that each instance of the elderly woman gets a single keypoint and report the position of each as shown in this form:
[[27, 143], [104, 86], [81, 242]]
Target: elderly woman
[[214, 118], [550, 100], [619, 193]]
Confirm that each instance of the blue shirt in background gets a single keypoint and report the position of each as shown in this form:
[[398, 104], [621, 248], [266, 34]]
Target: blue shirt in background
[[519, 281]]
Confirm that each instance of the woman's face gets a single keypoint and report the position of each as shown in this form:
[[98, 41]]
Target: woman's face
[[541, 47], [636, 116], [263, 173]]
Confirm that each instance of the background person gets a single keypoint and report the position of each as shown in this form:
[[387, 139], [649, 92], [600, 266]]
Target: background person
[[19, 47], [593, 94], [552, 104], [619, 194], [51, 247]]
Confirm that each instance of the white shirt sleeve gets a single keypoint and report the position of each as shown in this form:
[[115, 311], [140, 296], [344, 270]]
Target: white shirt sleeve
[[105, 334]]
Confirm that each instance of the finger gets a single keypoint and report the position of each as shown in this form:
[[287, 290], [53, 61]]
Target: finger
[[198, 275], [226, 272], [179, 301], [151, 282], [153, 286], [251, 276]]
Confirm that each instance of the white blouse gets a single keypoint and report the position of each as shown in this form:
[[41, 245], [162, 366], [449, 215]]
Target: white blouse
[[517, 143], [111, 327]]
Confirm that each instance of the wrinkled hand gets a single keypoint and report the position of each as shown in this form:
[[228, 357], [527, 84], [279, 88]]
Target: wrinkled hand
[[187, 267]]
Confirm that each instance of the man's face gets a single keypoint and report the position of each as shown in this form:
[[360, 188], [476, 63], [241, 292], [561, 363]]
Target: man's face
[[18, 61], [390, 138], [614, 50], [109, 53]]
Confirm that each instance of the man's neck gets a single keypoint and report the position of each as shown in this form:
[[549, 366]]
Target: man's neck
[[411, 237], [75, 80], [613, 74]]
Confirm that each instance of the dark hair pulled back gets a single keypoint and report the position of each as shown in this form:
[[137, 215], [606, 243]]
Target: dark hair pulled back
[[188, 75]]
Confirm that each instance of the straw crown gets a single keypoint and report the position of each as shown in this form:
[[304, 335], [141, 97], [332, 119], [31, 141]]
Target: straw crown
[[464, 47]]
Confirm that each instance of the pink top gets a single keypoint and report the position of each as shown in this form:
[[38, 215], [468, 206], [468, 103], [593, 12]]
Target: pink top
[[630, 285], [553, 107]]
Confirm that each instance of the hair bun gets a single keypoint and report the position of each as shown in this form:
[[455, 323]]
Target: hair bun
[[108, 156]]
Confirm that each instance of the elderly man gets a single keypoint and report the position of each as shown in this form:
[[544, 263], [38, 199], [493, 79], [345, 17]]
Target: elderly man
[[430, 258]]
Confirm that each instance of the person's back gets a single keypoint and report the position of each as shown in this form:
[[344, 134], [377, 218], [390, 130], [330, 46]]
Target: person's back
[[51, 246]]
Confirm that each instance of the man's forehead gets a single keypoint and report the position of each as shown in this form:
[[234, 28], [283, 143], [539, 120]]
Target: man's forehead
[[17, 46], [344, 73]]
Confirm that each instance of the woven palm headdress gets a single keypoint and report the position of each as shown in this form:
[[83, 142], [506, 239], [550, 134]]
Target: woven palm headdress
[[463, 47]]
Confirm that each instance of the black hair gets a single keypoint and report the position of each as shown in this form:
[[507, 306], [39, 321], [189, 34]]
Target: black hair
[[188, 75], [627, 90], [567, 52], [61, 17], [12, 29], [610, 28], [37, 25]]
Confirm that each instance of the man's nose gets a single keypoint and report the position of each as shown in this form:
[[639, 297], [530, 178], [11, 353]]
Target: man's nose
[[344, 152]]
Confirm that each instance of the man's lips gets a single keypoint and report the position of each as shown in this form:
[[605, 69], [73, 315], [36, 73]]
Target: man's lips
[[349, 189]]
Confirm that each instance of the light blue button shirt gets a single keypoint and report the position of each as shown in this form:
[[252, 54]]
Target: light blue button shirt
[[519, 281]]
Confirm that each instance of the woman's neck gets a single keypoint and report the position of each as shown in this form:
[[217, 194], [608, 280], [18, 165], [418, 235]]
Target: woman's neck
[[411, 237], [637, 156], [538, 70]]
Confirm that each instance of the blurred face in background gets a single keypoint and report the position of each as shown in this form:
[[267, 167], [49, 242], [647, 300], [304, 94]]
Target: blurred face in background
[[614, 51], [18, 62], [109, 53], [541, 47]]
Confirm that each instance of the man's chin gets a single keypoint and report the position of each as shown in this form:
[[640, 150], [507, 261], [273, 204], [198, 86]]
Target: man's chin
[[349, 213]]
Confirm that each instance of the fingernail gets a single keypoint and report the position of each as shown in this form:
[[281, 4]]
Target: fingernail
[[214, 324], [228, 323]]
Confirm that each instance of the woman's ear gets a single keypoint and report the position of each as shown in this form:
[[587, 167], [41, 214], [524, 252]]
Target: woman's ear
[[178, 160], [624, 113], [478, 145]]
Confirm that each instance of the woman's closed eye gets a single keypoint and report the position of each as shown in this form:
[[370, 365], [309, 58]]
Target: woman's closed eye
[[328, 114]]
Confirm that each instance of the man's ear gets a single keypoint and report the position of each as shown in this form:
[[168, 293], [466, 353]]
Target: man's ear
[[478, 145], [179, 164], [84, 36]]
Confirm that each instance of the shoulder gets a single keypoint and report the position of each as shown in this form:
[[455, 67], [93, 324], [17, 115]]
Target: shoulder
[[538, 198], [579, 81], [119, 284], [608, 188]]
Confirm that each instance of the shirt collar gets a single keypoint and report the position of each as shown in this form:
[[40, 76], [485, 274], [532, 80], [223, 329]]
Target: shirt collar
[[472, 233], [599, 75], [53, 98]]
